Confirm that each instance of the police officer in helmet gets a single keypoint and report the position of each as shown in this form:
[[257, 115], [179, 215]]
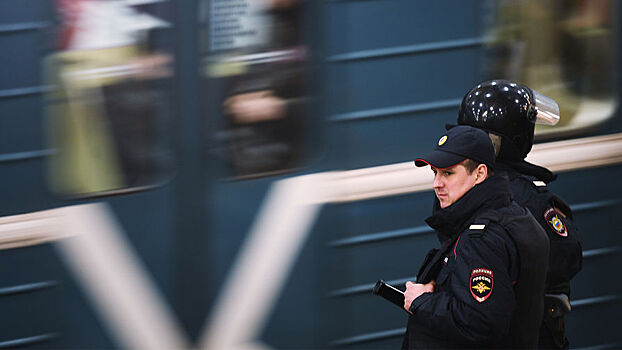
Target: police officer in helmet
[[508, 112]]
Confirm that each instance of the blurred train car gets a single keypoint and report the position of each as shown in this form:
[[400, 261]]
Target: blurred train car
[[237, 173]]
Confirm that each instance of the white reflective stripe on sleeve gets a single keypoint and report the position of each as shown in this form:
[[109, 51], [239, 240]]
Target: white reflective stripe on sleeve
[[477, 227]]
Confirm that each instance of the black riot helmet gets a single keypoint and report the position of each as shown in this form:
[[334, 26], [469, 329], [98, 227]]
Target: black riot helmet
[[509, 110]]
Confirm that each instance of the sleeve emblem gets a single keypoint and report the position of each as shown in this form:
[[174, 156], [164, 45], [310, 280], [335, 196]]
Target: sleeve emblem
[[552, 218], [481, 284]]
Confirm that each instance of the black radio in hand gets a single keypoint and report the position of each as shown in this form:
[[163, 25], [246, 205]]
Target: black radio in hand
[[390, 293]]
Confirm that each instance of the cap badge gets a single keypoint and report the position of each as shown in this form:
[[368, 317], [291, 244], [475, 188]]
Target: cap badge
[[442, 140]]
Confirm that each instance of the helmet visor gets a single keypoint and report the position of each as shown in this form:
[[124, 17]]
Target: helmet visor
[[547, 108]]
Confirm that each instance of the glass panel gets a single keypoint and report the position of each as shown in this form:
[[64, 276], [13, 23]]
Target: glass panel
[[110, 106], [255, 54], [562, 49]]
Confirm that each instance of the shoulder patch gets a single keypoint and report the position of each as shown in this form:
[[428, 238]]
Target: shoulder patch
[[481, 284], [552, 218]]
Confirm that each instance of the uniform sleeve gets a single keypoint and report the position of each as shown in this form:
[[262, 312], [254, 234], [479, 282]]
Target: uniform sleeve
[[566, 256], [476, 300]]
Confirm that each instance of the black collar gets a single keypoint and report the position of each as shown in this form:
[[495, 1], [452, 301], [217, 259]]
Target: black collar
[[526, 168], [494, 192]]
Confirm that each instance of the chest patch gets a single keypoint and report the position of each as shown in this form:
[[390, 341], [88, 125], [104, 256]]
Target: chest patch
[[481, 284], [552, 218]]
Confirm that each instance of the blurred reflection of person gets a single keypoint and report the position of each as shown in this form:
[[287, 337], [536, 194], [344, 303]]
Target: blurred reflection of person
[[264, 128], [110, 81], [264, 109]]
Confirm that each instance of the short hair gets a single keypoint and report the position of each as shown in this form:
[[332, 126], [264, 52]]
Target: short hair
[[471, 165]]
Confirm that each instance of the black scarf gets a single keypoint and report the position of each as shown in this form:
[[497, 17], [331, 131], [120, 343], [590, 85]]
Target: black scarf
[[448, 222]]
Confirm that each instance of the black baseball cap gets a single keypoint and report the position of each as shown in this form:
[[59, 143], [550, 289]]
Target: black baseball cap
[[459, 143]]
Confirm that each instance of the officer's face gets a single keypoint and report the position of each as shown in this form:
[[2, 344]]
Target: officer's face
[[452, 183]]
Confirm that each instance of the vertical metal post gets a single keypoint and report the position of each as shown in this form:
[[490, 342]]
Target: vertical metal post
[[190, 297]]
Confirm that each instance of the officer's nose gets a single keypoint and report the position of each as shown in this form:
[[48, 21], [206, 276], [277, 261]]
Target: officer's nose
[[437, 181]]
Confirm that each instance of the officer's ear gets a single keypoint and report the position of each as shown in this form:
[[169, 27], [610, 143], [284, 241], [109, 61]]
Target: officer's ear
[[481, 173]]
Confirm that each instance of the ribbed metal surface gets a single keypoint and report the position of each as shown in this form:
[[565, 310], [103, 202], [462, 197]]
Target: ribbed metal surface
[[369, 337], [603, 347], [603, 299], [25, 91], [27, 288], [407, 50], [22, 27], [396, 110], [17, 156], [576, 208], [26, 341], [593, 253], [381, 236]]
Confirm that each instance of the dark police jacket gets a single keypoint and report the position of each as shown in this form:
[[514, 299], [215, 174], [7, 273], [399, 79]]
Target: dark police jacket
[[483, 297], [528, 186]]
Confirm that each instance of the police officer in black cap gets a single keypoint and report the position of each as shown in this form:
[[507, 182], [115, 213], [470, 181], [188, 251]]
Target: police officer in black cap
[[483, 288], [509, 112]]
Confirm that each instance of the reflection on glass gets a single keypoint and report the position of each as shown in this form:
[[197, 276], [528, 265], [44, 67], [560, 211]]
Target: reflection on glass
[[110, 100], [257, 54], [560, 48]]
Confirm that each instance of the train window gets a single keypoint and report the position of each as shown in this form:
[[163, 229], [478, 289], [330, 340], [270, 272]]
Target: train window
[[255, 53], [109, 108], [563, 49]]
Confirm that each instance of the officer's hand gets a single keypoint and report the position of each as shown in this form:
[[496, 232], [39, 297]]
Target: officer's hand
[[414, 290]]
